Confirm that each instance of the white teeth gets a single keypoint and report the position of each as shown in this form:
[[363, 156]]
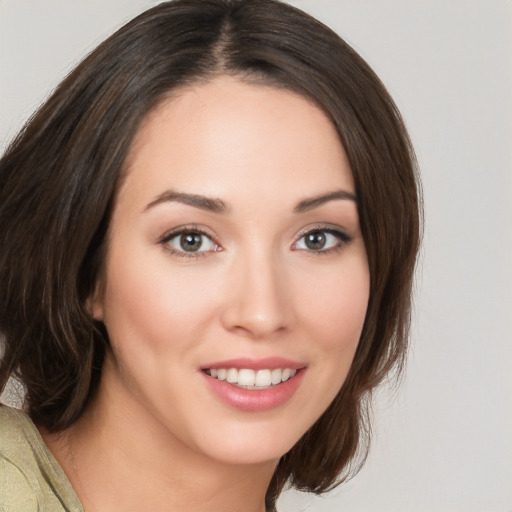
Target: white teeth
[[276, 376], [252, 379], [263, 378], [232, 375], [246, 377]]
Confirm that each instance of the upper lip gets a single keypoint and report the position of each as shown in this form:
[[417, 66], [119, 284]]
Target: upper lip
[[267, 363]]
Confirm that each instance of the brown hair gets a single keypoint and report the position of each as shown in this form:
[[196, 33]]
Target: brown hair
[[59, 176]]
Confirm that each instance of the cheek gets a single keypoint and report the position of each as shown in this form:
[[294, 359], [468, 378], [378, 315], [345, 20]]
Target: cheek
[[336, 307], [333, 314], [153, 305]]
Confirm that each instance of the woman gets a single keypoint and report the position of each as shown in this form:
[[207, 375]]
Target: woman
[[208, 235]]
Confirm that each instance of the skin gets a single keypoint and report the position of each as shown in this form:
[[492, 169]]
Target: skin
[[156, 437]]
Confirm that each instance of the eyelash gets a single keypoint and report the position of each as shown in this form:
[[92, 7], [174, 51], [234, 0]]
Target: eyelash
[[167, 237], [342, 237]]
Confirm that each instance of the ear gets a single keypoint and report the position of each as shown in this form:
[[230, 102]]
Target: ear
[[94, 303]]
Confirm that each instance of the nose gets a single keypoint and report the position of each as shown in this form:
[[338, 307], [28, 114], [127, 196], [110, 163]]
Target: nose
[[258, 301]]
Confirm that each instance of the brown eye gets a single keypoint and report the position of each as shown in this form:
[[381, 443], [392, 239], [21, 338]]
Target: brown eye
[[315, 241], [191, 242], [322, 240]]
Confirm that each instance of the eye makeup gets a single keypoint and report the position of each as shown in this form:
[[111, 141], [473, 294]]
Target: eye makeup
[[194, 242]]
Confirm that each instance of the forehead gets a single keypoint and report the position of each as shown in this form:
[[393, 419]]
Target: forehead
[[225, 137]]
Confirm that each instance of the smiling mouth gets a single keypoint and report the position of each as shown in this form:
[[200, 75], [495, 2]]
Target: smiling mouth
[[246, 378]]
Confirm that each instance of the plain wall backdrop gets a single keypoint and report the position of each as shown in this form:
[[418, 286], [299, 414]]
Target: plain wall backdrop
[[443, 443]]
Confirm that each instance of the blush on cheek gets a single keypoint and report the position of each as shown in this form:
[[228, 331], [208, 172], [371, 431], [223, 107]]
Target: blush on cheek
[[339, 316], [158, 303]]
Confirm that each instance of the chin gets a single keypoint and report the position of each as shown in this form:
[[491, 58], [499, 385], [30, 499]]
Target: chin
[[251, 441], [253, 452]]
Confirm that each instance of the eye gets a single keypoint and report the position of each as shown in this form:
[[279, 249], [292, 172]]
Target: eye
[[189, 243], [321, 240]]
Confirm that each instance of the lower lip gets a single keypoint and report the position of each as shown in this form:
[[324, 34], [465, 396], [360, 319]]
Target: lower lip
[[254, 400]]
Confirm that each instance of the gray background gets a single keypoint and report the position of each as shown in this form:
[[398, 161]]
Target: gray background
[[443, 442]]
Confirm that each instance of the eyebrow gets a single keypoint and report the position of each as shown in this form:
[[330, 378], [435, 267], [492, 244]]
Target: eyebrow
[[210, 204], [216, 205], [314, 202]]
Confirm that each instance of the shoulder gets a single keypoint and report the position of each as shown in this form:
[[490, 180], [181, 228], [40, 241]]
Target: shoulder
[[17, 490], [30, 478], [16, 431]]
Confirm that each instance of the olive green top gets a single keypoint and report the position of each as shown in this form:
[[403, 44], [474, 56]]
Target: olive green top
[[31, 480]]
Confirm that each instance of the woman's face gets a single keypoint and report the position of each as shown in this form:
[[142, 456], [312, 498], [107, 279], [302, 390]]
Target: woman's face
[[236, 280]]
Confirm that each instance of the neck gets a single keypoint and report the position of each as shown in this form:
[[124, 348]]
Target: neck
[[117, 460]]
